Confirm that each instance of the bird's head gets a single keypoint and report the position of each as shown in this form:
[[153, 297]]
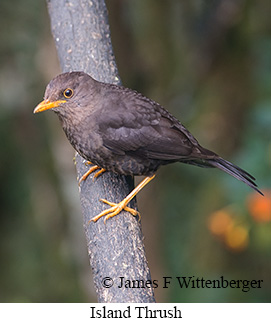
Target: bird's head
[[66, 93]]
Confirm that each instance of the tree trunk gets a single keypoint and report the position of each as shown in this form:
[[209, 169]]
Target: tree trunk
[[81, 32]]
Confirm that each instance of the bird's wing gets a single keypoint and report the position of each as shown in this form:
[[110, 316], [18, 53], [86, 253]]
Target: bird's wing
[[145, 128]]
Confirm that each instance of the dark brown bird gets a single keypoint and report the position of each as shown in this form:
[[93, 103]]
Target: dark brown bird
[[120, 130]]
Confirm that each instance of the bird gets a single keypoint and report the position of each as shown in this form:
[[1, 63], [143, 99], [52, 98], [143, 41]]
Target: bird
[[120, 130]]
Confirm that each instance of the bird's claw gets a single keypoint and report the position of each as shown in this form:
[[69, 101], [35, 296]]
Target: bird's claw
[[91, 170], [114, 210]]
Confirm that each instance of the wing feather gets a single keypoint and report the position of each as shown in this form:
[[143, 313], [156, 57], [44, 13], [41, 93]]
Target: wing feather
[[147, 129]]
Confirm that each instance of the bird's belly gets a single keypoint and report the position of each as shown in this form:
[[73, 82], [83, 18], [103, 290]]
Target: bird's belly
[[123, 165], [128, 163], [131, 166]]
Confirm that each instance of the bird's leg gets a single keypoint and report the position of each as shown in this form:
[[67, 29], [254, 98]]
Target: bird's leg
[[91, 170], [117, 208]]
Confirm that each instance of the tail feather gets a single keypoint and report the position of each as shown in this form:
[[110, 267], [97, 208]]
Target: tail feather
[[234, 171]]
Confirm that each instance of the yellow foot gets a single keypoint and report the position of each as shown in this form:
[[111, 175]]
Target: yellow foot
[[117, 208], [102, 170], [91, 170], [114, 210]]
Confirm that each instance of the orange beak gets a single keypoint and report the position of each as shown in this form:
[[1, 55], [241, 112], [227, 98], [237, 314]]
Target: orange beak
[[46, 105]]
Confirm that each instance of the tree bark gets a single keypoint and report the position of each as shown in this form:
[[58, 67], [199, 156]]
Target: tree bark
[[81, 32]]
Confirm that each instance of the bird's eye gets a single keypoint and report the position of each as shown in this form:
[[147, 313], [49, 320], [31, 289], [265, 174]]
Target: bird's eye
[[68, 93]]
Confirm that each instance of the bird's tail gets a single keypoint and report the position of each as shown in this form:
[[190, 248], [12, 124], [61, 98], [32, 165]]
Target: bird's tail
[[234, 171]]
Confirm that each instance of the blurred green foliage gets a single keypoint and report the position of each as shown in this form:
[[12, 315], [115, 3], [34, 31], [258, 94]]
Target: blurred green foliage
[[209, 63]]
